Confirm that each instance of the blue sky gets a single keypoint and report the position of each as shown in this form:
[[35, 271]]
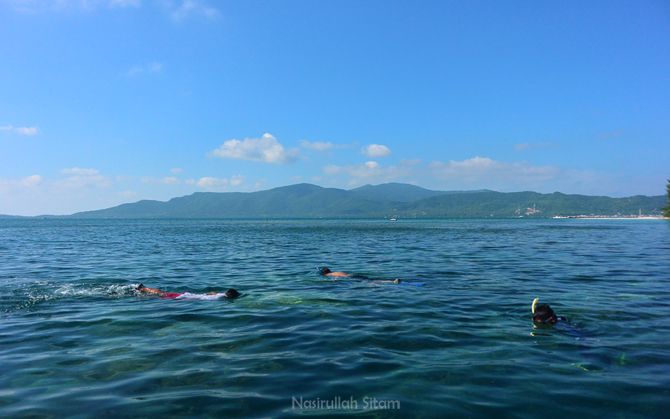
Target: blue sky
[[111, 101]]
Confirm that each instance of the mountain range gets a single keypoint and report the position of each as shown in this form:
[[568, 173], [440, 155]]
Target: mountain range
[[378, 201]]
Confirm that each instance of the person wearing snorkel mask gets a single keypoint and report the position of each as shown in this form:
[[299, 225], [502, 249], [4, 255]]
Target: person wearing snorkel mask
[[544, 314], [230, 293], [325, 271]]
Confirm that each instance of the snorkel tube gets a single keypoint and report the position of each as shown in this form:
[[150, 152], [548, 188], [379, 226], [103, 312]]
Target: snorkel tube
[[532, 307]]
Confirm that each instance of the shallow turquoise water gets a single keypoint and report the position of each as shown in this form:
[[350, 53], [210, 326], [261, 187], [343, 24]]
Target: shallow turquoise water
[[76, 341]]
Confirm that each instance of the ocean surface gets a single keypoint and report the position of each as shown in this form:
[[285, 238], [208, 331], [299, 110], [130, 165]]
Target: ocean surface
[[454, 339]]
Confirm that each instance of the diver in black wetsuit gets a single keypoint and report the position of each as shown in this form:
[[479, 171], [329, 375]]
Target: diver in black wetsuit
[[545, 317]]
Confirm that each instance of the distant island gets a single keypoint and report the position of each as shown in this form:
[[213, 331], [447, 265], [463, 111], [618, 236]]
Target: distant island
[[390, 200]]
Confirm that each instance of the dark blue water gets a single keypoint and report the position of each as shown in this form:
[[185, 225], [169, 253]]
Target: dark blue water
[[76, 340]]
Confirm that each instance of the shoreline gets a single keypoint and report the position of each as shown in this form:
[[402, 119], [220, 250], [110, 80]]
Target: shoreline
[[609, 217]]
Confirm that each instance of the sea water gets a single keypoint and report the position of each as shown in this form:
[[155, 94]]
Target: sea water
[[77, 340]]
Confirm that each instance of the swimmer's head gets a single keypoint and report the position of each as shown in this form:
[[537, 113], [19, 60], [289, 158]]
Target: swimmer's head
[[324, 270], [543, 313], [231, 293]]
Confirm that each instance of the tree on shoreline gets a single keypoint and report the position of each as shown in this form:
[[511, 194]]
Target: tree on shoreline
[[666, 210]]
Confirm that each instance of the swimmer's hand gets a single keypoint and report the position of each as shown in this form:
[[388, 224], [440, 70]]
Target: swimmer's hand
[[397, 281]]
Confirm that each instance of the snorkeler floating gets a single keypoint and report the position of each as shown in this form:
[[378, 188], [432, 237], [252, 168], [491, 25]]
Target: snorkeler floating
[[230, 293], [543, 313], [325, 271]]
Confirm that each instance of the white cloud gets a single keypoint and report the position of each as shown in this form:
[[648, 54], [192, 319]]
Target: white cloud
[[177, 10], [186, 8], [167, 180], [31, 181], [74, 190], [77, 177], [484, 172], [40, 6], [74, 177], [176, 170], [317, 145], [142, 69], [21, 183], [25, 131], [236, 180], [370, 171], [476, 163], [78, 171], [127, 194], [209, 182], [170, 180], [265, 149], [485, 166], [376, 150]]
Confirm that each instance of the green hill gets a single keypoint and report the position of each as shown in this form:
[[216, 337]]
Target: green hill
[[393, 199], [296, 201], [498, 204], [393, 192]]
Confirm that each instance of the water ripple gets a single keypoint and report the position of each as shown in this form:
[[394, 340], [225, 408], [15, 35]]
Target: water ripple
[[76, 339]]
